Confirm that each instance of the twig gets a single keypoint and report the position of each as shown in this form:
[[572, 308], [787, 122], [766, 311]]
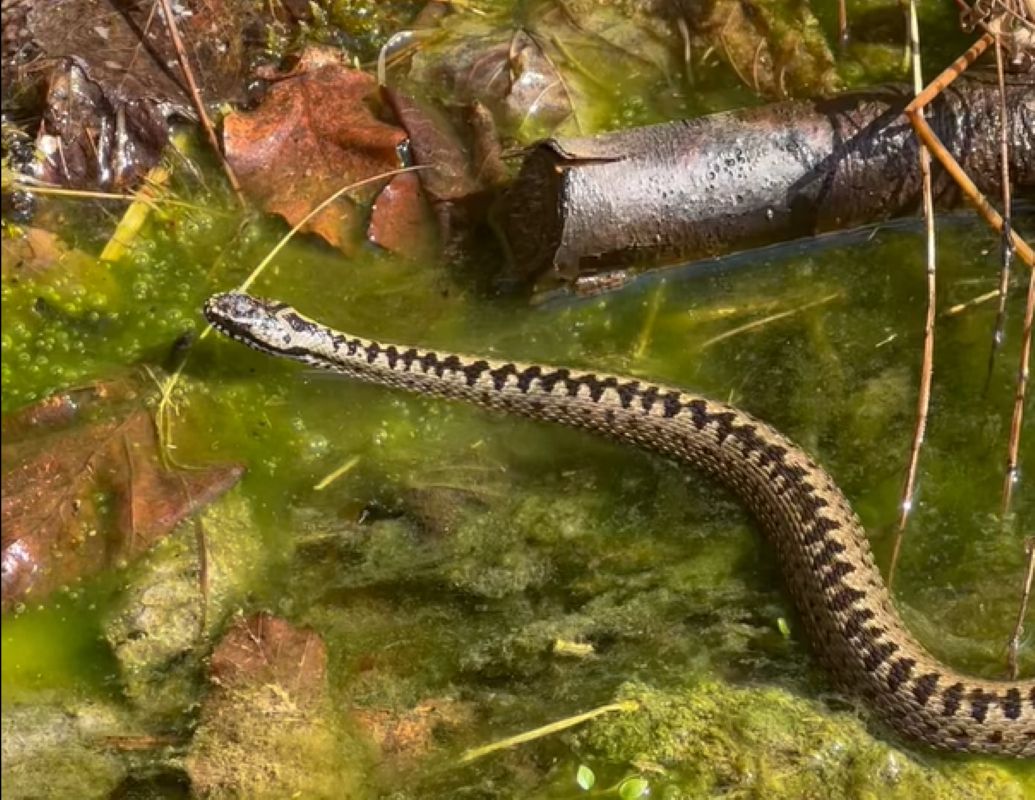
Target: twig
[[758, 323], [195, 93], [1022, 612], [1023, 374], [538, 733], [923, 401], [914, 111]]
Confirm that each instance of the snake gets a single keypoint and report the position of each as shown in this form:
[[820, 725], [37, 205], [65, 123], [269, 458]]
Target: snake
[[822, 547]]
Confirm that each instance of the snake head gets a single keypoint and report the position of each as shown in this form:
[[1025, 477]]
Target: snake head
[[256, 322]]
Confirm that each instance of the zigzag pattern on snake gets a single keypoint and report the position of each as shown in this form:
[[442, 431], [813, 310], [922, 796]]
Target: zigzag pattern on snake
[[822, 546]]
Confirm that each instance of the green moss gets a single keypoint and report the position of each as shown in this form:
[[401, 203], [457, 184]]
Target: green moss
[[161, 625], [56, 752], [258, 743], [716, 740]]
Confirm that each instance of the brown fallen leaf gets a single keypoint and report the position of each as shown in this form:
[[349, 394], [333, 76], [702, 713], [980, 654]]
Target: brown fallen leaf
[[264, 649], [400, 221], [435, 145], [88, 496], [315, 132], [407, 736], [267, 728]]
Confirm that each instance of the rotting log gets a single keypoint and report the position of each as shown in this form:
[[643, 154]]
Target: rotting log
[[742, 179]]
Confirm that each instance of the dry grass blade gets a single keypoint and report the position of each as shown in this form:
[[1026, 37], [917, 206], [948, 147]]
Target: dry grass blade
[[927, 364], [1016, 423], [162, 412], [759, 323], [625, 707], [134, 218], [959, 308], [1022, 612], [1006, 250]]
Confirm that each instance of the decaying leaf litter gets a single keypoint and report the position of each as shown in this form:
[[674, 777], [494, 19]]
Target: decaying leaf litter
[[514, 579]]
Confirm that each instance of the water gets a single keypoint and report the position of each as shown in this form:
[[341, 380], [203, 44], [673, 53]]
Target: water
[[474, 577]]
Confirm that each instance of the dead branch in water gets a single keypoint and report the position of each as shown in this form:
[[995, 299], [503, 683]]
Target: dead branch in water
[[741, 179]]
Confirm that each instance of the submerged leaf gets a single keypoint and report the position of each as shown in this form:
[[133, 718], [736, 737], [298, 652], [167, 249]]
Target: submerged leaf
[[400, 222], [264, 649], [776, 48], [266, 729], [87, 497]]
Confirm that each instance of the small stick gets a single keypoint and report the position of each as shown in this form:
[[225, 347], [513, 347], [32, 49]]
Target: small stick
[[199, 105], [1023, 374], [538, 733], [1022, 612], [923, 401], [914, 112]]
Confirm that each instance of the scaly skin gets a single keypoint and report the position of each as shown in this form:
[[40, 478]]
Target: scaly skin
[[821, 543]]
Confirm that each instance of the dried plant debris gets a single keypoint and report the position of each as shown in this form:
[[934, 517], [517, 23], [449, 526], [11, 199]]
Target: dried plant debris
[[84, 492], [111, 80], [544, 70]]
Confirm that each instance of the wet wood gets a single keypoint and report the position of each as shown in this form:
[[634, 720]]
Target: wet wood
[[741, 179]]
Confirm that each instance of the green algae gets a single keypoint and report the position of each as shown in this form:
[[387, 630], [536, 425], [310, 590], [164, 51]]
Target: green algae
[[715, 740], [263, 744], [58, 751], [654, 573], [161, 625]]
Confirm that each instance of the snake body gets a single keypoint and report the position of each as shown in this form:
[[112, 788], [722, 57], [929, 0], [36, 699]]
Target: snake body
[[822, 546]]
